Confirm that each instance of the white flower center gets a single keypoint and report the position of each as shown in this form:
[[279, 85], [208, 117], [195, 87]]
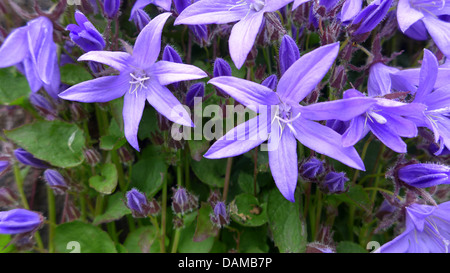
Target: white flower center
[[425, 5], [255, 5], [374, 117], [137, 82], [284, 117]]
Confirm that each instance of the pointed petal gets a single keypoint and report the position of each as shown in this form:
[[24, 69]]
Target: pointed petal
[[344, 109], [428, 75], [169, 72], [167, 104], [15, 48], [407, 15], [133, 107], [98, 90], [356, 131], [212, 12], [400, 244], [401, 126], [325, 140], [303, 76], [240, 139], [388, 137], [439, 98], [440, 32], [243, 36], [379, 81], [248, 93], [116, 59], [350, 9], [148, 44], [32, 76], [284, 165]]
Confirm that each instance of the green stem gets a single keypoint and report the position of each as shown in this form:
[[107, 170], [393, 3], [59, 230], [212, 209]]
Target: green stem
[[51, 219], [227, 178], [164, 214], [120, 173], [363, 155], [318, 209], [176, 240]]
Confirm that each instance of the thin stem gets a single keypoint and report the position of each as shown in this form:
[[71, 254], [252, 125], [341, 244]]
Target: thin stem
[[227, 178], [363, 155], [51, 219], [176, 240], [164, 214]]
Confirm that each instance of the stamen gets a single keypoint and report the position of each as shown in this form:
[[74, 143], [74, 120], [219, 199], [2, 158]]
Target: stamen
[[138, 82]]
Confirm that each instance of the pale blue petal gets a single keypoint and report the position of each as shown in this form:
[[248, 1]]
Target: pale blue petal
[[170, 72]]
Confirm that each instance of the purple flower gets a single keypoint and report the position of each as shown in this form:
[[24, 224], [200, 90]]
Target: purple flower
[[221, 68], [138, 203], [427, 231], [141, 78], [288, 120], [416, 18], [350, 9], [26, 158], [55, 181], [85, 35], [32, 50], [288, 54], [200, 31], [140, 19], [4, 165], [335, 182], [141, 4], [171, 55], [248, 13], [183, 201], [197, 90], [111, 8], [270, 82], [371, 16], [312, 168], [221, 217], [423, 175], [19, 221]]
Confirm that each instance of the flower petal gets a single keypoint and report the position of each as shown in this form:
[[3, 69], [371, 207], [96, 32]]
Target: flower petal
[[344, 109], [167, 104], [240, 139], [98, 90], [388, 137], [212, 12], [169, 72], [379, 81], [116, 59], [248, 93], [303, 76], [356, 131], [350, 9], [407, 15], [243, 36], [440, 32], [325, 140], [15, 48], [428, 75], [133, 107], [148, 43], [284, 165]]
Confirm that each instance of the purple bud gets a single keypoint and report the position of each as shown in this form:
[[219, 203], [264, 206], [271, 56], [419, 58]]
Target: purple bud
[[26, 158], [138, 203], [4, 165], [183, 201], [171, 55], [55, 181], [337, 125], [220, 217], [85, 35], [335, 182], [140, 19], [312, 168], [289, 53], [111, 8], [41, 104], [196, 90], [19, 221], [7, 197], [221, 68], [271, 82], [200, 34], [371, 16], [424, 175]]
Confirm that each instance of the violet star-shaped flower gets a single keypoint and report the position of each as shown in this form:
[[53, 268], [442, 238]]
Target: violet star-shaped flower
[[248, 13], [141, 78], [288, 120], [427, 231], [140, 4], [416, 18]]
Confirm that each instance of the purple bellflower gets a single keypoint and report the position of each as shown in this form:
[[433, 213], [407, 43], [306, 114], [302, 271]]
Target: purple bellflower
[[288, 54], [84, 34], [111, 8], [141, 78], [436, 117], [423, 175], [288, 120], [312, 168], [416, 18], [248, 13], [33, 50], [371, 16], [140, 19], [427, 231], [19, 221], [27, 158], [350, 9], [138, 203]]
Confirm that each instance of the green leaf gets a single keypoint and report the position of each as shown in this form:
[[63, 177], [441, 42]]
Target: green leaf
[[356, 195], [89, 238], [13, 87], [72, 74], [248, 211], [114, 139], [115, 209], [143, 240], [205, 228], [246, 183], [349, 247], [210, 171], [289, 232], [107, 182], [4, 241], [187, 243], [198, 148], [147, 173], [59, 143]]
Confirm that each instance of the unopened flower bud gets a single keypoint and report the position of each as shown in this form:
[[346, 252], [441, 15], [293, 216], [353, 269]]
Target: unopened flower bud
[[138, 203], [77, 112], [214, 198], [171, 55], [196, 90], [55, 181], [423, 175], [183, 201], [270, 82], [41, 104], [92, 156], [289, 53], [125, 155], [334, 182], [84, 34], [26, 158], [140, 19], [221, 217], [221, 68], [111, 8], [19, 221], [7, 197], [312, 168]]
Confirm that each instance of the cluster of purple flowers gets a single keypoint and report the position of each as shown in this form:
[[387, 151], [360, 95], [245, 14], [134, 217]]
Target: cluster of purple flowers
[[397, 105]]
